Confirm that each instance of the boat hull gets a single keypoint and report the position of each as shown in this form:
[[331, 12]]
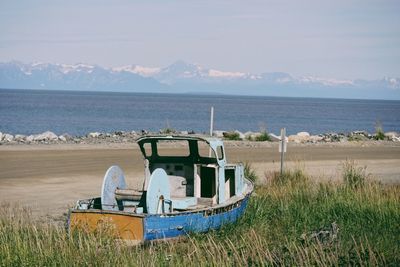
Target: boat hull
[[147, 227]]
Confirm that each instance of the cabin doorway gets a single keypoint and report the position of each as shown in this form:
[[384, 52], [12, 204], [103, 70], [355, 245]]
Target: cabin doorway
[[207, 181]]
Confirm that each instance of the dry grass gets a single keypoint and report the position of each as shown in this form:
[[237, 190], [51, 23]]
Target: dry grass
[[288, 222]]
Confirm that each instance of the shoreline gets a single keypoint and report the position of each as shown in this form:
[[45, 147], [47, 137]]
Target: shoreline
[[227, 143], [125, 137]]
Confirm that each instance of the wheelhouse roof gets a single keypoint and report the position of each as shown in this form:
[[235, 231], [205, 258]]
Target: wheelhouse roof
[[150, 138]]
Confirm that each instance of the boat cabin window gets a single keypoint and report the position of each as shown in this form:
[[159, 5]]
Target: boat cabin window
[[168, 148], [220, 152], [204, 150], [147, 149]]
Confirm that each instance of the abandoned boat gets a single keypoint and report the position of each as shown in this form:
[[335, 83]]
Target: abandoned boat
[[188, 192]]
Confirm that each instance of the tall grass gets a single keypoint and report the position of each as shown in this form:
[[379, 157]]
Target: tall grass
[[250, 173], [353, 175], [288, 222], [234, 136], [379, 133], [263, 136]]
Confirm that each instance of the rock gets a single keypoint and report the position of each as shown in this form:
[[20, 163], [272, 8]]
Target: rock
[[303, 134], [392, 135], [241, 135], [363, 133], [219, 134], [62, 138], [249, 133], [67, 136], [295, 139], [50, 136], [251, 136], [19, 137], [357, 137], [29, 138], [275, 138], [300, 137], [94, 135], [1, 136], [8, 138], [316, 138], [332, 137]]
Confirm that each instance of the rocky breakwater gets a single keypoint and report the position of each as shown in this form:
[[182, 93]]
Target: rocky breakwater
[[305, 137], [49, 137]]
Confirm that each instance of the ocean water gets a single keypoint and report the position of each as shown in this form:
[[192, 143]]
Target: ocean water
[[77, 113]]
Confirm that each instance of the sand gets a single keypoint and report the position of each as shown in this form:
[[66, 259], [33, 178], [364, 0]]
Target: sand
[[51, 178]]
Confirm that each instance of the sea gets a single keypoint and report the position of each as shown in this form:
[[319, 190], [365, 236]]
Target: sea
[[78, 113]]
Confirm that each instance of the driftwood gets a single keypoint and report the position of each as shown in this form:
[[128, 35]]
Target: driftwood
[[324, 235]]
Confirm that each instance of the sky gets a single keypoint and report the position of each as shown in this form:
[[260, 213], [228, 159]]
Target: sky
[[343, 39]]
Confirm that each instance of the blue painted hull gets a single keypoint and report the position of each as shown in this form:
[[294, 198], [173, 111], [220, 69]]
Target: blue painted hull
[[171, 226], [147, 227]]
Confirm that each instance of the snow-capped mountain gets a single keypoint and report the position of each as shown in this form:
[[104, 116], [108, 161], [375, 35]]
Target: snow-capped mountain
[[73, 77], [186, 77], [136, 69], [181, 71]]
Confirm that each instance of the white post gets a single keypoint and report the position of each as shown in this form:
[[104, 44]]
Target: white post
[[211, 128], [212, 121], [282, 147]]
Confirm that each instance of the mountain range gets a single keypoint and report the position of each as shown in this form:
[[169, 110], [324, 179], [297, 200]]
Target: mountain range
[[182, 77]]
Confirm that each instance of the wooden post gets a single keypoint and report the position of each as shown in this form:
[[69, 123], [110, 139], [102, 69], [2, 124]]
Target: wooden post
[[282, 147]]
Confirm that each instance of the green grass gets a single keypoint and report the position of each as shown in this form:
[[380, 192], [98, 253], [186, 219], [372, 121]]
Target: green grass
[[278, 228], [234, 136], [379, 133], [354, 176], [250, 173], [355, 138], [168, 130], [263, 136]]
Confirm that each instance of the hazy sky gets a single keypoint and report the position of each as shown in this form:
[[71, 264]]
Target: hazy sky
[[336, 39]]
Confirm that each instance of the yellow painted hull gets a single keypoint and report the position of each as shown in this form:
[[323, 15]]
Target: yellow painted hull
[[121, 226]]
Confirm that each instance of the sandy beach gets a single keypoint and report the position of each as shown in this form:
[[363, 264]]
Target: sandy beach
[[50, 178]]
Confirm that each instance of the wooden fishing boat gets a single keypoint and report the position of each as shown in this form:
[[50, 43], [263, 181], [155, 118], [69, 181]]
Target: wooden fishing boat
[[194, 191]]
